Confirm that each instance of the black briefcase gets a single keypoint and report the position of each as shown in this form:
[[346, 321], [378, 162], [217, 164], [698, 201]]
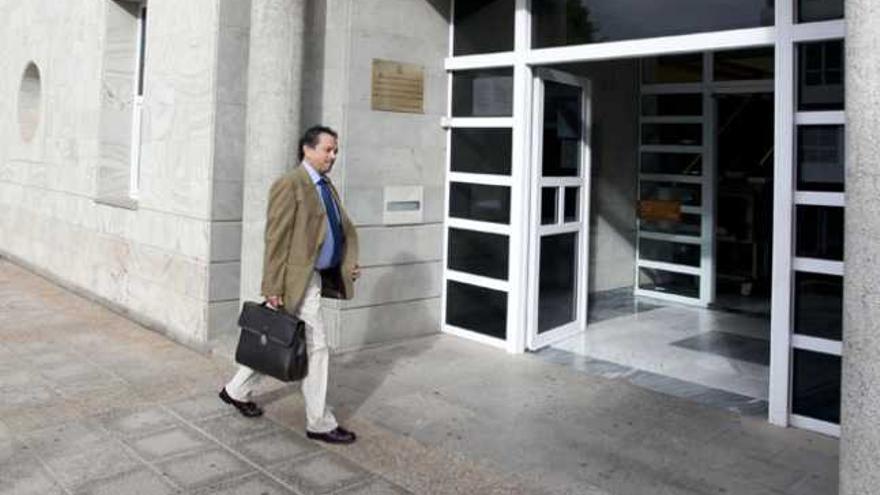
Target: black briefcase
[[272, 342]]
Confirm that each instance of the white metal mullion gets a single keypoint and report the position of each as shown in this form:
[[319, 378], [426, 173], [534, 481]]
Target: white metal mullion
[[820, 118], [482, 61], [666, 296], [443, 290], [671, 119], [670, 267], [733, 87], [817, 344], [816, 265], [483, 179], [480, 122], [836, 199], [566, 228], [478, 226], [818, 31], [670, 148], [816, 425], [478, 280], [561, 181], [692, 210], [680, 239], [671, 88], [678, 178], [707, 199]]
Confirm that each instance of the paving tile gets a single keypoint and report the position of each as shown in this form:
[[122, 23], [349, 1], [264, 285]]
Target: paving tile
[[141, 481], [175, 441], [235, 428], [67, 438], [204, 468], [27, 396], [101, 461], [135, 422], [26, 477], [256, 484], [321, 474], [201, 407], [275, 447], [375, 487]]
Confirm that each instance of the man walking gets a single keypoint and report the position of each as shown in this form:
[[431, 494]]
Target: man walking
[[311, 250]]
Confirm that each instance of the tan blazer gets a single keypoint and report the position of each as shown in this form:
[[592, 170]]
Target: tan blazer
[[296, 225]]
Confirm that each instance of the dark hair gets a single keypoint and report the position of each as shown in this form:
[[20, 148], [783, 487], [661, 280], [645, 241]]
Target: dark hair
[[312, 137]]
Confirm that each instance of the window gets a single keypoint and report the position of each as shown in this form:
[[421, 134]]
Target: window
[[138, 102]]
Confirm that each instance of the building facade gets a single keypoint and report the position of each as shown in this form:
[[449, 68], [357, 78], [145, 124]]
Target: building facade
[[506, 162]]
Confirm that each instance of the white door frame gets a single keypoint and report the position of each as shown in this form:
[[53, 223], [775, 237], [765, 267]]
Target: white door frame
[[536, 340]]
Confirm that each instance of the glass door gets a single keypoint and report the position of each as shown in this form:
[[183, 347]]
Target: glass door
[[560, 200]]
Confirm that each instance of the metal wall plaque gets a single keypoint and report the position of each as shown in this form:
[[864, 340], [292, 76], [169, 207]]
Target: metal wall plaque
[[398, 87]]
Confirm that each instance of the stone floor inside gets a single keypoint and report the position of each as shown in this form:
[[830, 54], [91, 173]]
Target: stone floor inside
[[93, 403]]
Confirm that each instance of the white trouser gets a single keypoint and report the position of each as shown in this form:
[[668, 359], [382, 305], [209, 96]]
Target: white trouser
[[319, 419]]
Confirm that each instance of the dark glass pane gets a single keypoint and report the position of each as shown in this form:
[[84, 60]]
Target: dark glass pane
[[479, 202], [820, 232], [819, 10], [744, 65], [820, 76], [674, 105], [548, 205], [689, 225], [818, 305], [673, 69], [820, 158], [687, 194], [816, 386], [571, 204], [562, 129], [557, 289], [669, 252], [674, 134], [669, 282], [479, 253], [477, 309], [482, 93], [672, 163], [575, 22], [483, 26], [481, 151]]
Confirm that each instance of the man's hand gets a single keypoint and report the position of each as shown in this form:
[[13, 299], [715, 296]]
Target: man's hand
[[356, 272], [275, 302]]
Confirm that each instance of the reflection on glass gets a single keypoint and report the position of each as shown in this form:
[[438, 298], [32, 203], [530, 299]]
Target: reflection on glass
[[557, 289], [820, 158], [819, 10], [820, 232], [820, 76], [482, 93], [479, 202], [669, 252], [815, 386], [483, 26], [574, 22], [818, 305], [672, 105], [562, 129], [689, 225], [672, 163], [477, 309], [479, 253], [481, 151], [669, 282], [686, 194], [673, 69], [672, 134], [548, 205], [744, 65], [571, 204]]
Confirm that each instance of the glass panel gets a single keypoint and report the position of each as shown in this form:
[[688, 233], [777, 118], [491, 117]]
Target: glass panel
[[820, 158], [744, 65], [669, 282], [687, 194], [819, 10], [479, 253], [571, 204], [483, 26], [818, 305], [482, 93], [557, 288], [815, 387], [674, 105], [672, 163], [575, 22], [479, 202], [548, 205], [673, 69], [820, 232], [562, 129], [820, 76], [689, 225], [477, 309], [669, 252], [482, 151], [674, 134]]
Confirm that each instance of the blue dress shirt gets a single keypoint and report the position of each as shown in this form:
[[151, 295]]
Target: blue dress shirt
[[332, 244]]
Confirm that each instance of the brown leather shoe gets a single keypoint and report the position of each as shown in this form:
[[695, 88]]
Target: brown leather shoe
[[247, 409], [338, 435]]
